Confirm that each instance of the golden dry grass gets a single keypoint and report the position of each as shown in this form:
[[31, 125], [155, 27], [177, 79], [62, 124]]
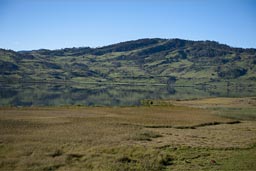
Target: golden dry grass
[[219, 102], [117, 138]]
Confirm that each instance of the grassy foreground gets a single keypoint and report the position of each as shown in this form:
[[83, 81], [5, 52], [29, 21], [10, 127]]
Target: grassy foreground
[[208, 134]]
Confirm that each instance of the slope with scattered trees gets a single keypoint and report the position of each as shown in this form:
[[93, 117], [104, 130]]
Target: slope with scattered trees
[[138, 61]]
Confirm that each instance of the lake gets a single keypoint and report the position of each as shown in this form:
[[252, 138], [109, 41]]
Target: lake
[[35, 94]]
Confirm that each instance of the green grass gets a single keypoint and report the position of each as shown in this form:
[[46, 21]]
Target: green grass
[[188, 61], [134, 158]]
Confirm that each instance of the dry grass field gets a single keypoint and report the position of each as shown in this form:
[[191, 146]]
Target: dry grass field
[[207, 134]]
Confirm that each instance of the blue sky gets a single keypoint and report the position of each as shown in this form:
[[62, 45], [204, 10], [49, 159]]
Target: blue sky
[[54, 24]]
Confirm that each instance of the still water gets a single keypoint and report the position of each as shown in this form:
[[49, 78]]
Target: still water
[[106, 95]]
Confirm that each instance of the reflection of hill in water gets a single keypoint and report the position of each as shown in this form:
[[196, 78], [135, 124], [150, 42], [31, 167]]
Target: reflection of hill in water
[[107, 95]]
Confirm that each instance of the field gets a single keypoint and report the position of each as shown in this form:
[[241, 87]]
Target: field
[[204, 134]]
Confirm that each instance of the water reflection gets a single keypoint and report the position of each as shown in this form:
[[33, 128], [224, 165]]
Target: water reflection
[[105, 95]]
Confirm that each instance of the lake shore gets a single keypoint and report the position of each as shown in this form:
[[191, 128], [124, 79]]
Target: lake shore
[[202, 134]]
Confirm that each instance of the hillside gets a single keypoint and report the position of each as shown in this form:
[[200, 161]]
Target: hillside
[[151, 61]]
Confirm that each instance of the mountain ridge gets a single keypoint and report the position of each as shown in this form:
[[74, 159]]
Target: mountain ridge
[[112, 44], [148, 60]]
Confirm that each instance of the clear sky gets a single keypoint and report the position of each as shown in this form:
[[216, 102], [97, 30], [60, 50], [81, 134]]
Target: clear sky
[[54, 24]]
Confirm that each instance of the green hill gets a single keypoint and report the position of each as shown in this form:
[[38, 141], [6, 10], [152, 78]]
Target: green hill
[[144, 61]]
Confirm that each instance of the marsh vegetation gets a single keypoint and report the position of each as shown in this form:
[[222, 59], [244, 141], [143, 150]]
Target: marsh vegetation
[[186, 135]]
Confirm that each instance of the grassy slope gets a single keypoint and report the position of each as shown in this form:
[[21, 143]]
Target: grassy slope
[[127, 138], [146, 61]]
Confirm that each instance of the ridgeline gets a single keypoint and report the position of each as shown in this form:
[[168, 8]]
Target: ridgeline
[[150, 61]]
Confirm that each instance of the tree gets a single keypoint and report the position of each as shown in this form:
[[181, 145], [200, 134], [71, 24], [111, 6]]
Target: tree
[[171, 80]]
